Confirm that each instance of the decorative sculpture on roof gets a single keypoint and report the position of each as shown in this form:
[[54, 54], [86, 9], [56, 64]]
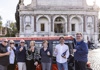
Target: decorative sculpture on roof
[[22, 2]]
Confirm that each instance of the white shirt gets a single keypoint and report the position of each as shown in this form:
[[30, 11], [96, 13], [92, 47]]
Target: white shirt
[[60, 50], [12, 55]]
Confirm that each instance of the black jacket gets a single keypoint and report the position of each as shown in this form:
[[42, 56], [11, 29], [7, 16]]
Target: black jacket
[[5, 59], [21, 55], [44, 57], [33, 55]]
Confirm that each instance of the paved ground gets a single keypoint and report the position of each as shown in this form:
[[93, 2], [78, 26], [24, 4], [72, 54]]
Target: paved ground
[[94, 58]]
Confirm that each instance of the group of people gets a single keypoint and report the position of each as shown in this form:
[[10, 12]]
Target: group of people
[[27, 57]]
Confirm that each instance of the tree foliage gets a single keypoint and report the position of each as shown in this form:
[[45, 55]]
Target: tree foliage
[[0, 18], [0, 23], [12, 30]]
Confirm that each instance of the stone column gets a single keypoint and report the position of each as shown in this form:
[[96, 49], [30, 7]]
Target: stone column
[[49, 31], [52, 25], [64, 29], [84, 23], [95, 23], [84, 27], [22, 25], [95, 29], [68, 23], [34, 23]]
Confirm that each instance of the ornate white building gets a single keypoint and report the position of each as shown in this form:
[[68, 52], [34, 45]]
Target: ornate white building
[[58, 17]]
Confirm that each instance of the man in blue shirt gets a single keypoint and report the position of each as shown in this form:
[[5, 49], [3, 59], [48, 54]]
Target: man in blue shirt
[[80, 53], [21, 56]]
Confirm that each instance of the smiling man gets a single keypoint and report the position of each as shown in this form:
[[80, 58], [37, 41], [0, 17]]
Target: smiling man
[[4, 55], [80, 53], [21, 55], [62, 53]]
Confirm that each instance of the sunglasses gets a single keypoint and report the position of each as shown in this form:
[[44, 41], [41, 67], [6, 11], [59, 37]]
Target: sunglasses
[[11, 43], [6, 41]]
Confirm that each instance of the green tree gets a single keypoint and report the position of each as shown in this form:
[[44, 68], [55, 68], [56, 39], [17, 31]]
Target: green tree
[[11, 29], [0, 18], [0, 25]]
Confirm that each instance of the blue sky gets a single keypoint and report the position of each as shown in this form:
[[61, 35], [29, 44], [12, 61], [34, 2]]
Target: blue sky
[[8, 8]]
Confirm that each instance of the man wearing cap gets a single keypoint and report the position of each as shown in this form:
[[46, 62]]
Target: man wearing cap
[[21, 56], [4, 55]]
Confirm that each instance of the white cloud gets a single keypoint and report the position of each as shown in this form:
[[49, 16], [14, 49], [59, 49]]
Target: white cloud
[[90, 2], [98, 2]]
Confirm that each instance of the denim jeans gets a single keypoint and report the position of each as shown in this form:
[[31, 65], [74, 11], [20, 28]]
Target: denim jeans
[[62, 66]]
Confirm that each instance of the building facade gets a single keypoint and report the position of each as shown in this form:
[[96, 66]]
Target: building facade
[[58, 18]]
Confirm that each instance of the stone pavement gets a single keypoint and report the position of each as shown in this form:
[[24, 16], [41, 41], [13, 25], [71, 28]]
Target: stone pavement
[[94, 58]]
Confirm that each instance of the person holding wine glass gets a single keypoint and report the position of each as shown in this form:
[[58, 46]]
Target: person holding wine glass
[[62, 53], [45, 54]]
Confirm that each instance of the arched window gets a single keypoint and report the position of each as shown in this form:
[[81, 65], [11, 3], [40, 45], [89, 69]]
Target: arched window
[[42, 24], [76, 25], [27, 27], [59, 25]]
